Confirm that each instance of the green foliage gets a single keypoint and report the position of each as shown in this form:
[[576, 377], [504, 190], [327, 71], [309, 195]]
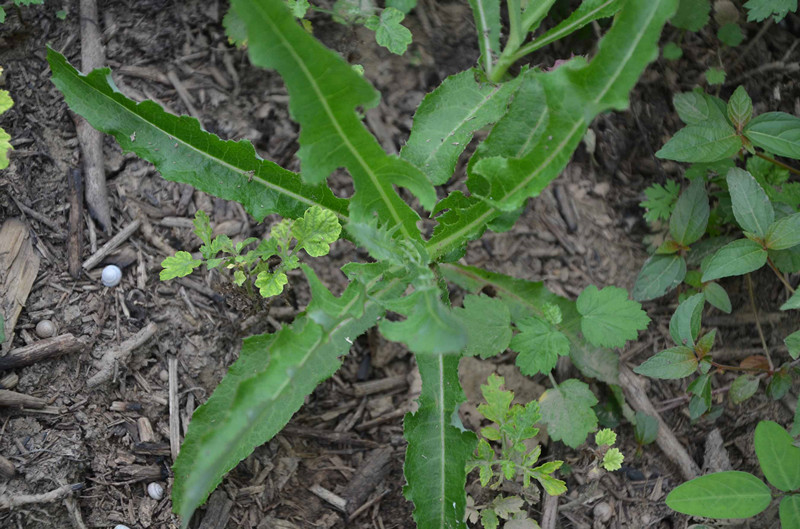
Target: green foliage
[[512, 426], [692, 15], [660, 200], [539, 118], [734, 494], [759, 10], [389, 33], [5, 103], [2, 329]]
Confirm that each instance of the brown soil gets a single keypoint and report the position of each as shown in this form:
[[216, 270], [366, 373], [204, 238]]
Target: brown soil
[[585, 229]]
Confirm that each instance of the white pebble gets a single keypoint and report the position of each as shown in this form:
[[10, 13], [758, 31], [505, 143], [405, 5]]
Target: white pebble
[[120, 526], [45, 329], [155, 490], [112, 275]]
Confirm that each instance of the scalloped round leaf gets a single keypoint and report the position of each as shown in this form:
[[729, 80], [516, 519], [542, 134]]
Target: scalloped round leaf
[[778, 457], [609, 317], [488, 325], [659, 275], [676, 362], [539, 345], [567, 411]]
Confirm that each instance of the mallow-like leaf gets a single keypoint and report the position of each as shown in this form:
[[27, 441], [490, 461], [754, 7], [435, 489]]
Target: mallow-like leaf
[[267, 385], [567, 411], [389, 32], [609, 317], [723, 495], [488, 325], [527, 298], [446, 119], [575, 92], [539, 345], [183, 152], [438, 447], [324, 92]]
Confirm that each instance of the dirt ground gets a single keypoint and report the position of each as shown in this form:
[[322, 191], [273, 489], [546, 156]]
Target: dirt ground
[[113, 439]]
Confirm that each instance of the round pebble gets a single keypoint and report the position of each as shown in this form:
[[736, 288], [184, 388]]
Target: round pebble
[[155, 490], [112, 275], [163, 375], [120, 526], [45, 329], [602, 512]]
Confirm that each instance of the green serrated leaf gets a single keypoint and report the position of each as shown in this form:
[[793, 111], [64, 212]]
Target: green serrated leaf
[[324, 93], [676, 362], [736, 258], [751, 206], [792, 344], [498, 400], [690, 216], [389, 32], [316, 231], [692, 15], [609, 317], [715, 76], [5, 139], [183, 152], [521, 128], [605, 437], [778, 457], [180, 265], [740, 106], [702, 143], [402, 5], [488, 325], [489, 519], [758, 10], [723, 495], [659, 275], [743, 388], [271, 283], [266, 386], [731, 34], [539, 345], [429, 327], [775, 132], [613, 459], [783, 233], [684, 326], [660, 200], [575, 93], [567, 411], [446, 119], [298, 7], [438, 449]]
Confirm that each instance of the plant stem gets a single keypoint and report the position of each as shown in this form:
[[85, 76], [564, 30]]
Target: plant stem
[[779, 164], [780, 275], [758, 323], [552, 379]]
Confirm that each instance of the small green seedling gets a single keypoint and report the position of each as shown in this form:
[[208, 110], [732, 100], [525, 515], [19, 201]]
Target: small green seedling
[[512, 426], [5, 138], [735, 494]]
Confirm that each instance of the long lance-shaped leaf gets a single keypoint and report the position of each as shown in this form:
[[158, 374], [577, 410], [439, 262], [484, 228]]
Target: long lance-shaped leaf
[[438, 447], [447, 118], [527, 298], [324, 94], [575, 93], [267, 385], [487, 23], [184, 152]]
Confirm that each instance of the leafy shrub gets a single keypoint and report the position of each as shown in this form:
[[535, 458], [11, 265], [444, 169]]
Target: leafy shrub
[[538, 118]]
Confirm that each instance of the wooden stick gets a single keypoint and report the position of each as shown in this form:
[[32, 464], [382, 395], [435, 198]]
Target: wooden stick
[[633, 386], [10, 502], [75, 241], [111, 245], [91, 140], [37, 351], [174, 411], [119, 355], [12, 399]]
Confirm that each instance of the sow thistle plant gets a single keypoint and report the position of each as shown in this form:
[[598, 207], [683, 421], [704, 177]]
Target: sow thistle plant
[[537, 120]]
